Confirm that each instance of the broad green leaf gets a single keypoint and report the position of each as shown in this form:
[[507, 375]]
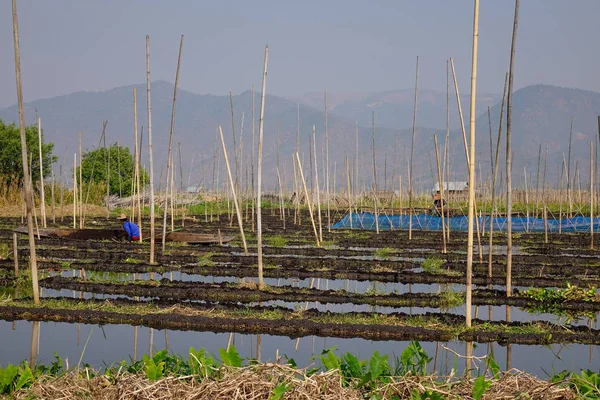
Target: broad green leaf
[[480, 387], [231, 358], [353, 365], [25, 379], [279, 391], [377, 364], [330, 361]]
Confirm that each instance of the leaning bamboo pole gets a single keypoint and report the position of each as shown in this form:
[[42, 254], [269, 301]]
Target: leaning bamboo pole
[[42, 188], [233, 191], [261, 122], [136, 192], [310, 208], [317, 185], [469, 284], [509, 247], [569, 188], [349, 192], [494, 177], [169, 157], [441, 186], [150, 153], [412, 154]]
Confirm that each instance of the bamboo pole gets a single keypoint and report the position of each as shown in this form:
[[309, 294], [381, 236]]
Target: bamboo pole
[[42, 188], [494, 177], [233, 191], [81, 202], [471, 217], [545, 224], [446, 144], [327, 187], [281, 198], [591, 195], [150, 153], [136, 192], [259, 171], [75, 192], [310, 209], [26, 177], [412, 154], [374, 173], [16, 254], [253, 160], [62, 193], [569, 188], [314, 141], [441, 186], [53, 199], [235, 147], [509, 249], [169, 158]]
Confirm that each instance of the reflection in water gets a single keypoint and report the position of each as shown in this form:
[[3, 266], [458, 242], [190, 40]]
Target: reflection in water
[[35, 343], [468, 358], [135, 342], [508, 356]]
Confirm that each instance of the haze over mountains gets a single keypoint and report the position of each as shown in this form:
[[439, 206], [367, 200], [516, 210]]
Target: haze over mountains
[[541, 114]]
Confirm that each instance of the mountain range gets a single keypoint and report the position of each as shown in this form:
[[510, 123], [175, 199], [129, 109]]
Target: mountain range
[[542, 115]]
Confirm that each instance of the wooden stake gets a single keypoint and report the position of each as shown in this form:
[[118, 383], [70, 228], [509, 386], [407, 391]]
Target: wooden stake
[[26, 178], [591, 195], [137, 149], [150, 153], [75, 192], [53, 198], [80, 185], [327, 187], [235, 200], [16, 254], [164, 232], [469, 285], [349, 191], [374, 173], [253, 160], [259, 171]]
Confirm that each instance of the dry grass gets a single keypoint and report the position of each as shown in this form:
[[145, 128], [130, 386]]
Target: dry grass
[[259, 382], [254, 382]]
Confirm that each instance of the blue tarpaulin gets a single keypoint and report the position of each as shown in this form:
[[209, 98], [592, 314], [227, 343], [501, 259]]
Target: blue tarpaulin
[[366, 220]]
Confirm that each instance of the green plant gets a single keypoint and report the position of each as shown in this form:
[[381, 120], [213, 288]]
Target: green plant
[[230, 357], [586, 384], [132, 260], [276, 241], [384, 252], [155, 366], [433, 265], [13, 378]]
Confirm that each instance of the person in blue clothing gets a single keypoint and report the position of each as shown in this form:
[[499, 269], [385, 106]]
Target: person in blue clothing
[[131, 229]]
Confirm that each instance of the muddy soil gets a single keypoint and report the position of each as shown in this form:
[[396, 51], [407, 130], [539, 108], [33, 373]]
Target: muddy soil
[[225, 292], [305, 325]]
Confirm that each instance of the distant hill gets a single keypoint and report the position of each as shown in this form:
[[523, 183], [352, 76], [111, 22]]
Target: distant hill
[[394, 109], [541, 114], [196, 121]]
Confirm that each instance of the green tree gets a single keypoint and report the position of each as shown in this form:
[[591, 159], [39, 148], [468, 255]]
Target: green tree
[[11, 166], [121, 169]]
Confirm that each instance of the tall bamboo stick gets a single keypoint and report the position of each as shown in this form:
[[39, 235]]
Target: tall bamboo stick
[[150, 153], [253, 160], [569, 195], [75, 191], [349, 192], [169, 158], [310, 209], [441, 186], [42, 188], [259, 171], [327, 187], [81, 202], [374, 172], [136, 192], [412, 154], [317, 186], [509, 248], [471, 217], [494, 176], [235, 199], [591, 195], [53, 198]]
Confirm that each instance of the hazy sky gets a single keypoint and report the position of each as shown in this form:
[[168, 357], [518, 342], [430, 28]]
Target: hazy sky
[[341, 45]]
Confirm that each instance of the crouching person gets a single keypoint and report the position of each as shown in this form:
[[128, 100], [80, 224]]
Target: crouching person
[[132, 231]]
